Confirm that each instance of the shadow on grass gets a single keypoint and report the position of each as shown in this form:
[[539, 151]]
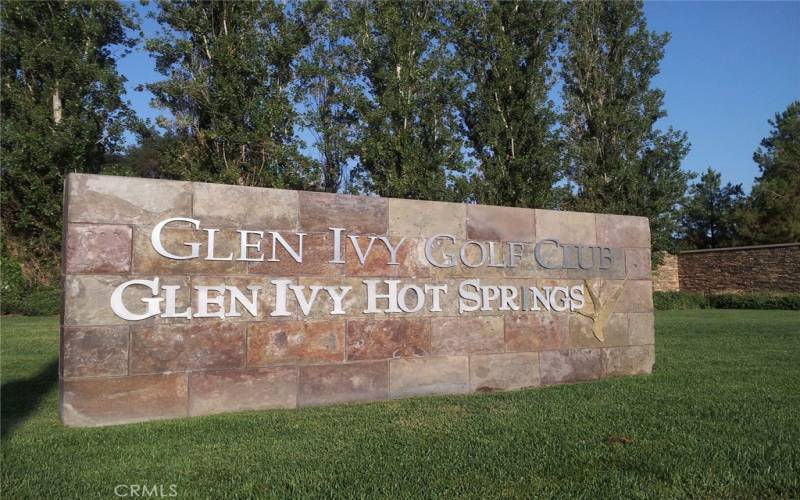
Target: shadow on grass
[[21, 397]]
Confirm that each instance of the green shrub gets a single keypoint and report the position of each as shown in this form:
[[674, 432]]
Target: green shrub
[[13, 285], [19, 296], [694, 300], [664, 301], [787, 301]]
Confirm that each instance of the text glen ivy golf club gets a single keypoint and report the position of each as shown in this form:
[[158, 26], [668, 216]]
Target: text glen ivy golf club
[[382, 295]]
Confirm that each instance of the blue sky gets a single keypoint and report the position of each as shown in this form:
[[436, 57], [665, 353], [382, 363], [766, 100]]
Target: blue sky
[[729, 68]]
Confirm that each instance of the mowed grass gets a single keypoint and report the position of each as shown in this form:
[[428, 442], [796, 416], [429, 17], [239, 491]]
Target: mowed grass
[[720, 417]]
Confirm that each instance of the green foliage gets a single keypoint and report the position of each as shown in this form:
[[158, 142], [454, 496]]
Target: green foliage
[[61, 111], [505, 53], [228, 68], [711, 215], [786, 301], [774, 211], [666, 301], [408, 139], [20, 295], [144, 159], [328, 89], [618, 161], [663, 301]]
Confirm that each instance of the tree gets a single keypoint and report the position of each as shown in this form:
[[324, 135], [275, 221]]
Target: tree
[[711, 215], [328, 89], [61, 111], [144, 159], [619, 162], [229, 66], [506, 55], [408, 138], [774, 210]]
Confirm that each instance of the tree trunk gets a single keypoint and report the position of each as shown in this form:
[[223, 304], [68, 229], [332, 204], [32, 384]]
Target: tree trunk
[[56, 105]]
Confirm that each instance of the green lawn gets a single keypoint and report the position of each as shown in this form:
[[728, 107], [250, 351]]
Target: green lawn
[[720, 417]]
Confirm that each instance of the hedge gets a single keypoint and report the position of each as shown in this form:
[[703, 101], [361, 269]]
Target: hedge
[[694, 300], [19, 296]]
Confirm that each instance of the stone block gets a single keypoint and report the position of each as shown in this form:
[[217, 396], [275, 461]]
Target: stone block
[[536, 331], [637, 263], [105, 401], [642, 328], [427, 218], [566, 227], [354, 302], [410, 259], [444, 251], [102, 199], [623, 231], [98, 248], [637, 297], [581, 334], [615, 271], [94, 351], [631, 360], [176, 241], [177, 348], [490, 223], [244, 207], [490, 372], [440, 375], [343, 383], [576, 365], [388, 338], [527, 266], [265, 298], [87, 299], [467, 335], [356, 214], [226, 391], [295, 342], [317, 254]]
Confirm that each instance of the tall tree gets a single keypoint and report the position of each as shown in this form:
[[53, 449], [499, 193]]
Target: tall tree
[[229, 66], [619, 161], [711, 215], [328, 89], [774, 214], [409, 145], [61, 111], [506, 55]]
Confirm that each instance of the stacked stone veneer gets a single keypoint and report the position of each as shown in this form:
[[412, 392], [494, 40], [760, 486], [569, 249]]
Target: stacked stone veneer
[[665, 277], [115, 371], [766, 268]]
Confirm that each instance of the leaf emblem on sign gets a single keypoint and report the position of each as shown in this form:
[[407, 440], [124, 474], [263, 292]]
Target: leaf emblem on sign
[[602, 311]]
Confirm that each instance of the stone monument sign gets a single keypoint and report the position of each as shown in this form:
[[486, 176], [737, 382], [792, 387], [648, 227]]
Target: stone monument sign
[[185, 299]]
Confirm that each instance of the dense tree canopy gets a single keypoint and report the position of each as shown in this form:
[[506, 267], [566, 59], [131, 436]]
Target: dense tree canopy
[[618, 160], [409, 145], [505, 53], [774, 212], [711, 216], [228, 68], [61, 110]]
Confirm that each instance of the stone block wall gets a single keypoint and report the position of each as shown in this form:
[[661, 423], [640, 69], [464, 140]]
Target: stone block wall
[[665, 277], [114, 370], [766, 268]]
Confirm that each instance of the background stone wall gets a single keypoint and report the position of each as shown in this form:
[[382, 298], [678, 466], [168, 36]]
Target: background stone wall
[[116, 371], [665, 277], [764, 268], [767, 268]]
